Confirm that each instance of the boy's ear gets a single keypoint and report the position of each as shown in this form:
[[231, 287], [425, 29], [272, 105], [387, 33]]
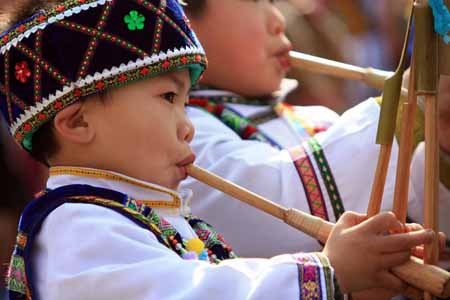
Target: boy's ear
[[71, 124]]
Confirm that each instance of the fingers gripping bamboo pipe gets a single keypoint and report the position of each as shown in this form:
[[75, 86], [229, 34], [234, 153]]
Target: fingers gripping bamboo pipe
[[425, 277]]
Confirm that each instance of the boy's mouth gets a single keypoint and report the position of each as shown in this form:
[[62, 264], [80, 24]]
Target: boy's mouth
[[284, 62], [283, 57], [185, 162]]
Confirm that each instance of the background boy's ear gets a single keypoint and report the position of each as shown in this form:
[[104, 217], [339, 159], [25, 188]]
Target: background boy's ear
[[70, 124]]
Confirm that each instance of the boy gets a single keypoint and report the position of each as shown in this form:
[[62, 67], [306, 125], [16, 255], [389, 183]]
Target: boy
[[278, 150], [97, 90]]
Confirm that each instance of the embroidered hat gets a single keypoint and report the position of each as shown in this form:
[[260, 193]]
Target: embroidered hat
[[82, 47]]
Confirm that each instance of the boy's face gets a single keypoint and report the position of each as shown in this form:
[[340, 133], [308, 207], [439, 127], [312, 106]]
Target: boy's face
[[141, 130], [246, 45], [444, 112]]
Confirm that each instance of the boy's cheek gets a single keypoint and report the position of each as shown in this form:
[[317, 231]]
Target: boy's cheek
[[444, 139]]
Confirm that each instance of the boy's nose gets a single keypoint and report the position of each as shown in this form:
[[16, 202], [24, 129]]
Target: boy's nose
[[277, 22], [186, 131]]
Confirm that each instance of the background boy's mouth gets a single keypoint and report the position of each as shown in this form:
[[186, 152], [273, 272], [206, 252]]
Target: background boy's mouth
[[284, 62], [282, 55]]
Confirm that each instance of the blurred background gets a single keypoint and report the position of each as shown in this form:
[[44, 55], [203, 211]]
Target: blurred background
[[360, 32]]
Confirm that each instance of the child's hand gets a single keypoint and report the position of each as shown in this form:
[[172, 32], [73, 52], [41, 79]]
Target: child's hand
[[362, 254], [419, 250]]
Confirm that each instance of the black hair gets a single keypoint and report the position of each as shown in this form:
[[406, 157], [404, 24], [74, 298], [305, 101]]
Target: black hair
[[194, 8]]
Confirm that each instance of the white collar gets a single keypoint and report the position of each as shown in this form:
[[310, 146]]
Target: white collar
[[155, 196], [286, 87]]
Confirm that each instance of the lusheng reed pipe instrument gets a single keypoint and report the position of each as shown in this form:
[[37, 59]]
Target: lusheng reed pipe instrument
[[427, 71], [370, 76], [425, 277]]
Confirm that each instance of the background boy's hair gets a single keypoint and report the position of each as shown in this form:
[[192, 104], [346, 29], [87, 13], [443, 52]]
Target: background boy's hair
[[194, 7]]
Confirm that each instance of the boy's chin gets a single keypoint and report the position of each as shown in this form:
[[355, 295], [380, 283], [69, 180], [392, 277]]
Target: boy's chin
[[174, 185]]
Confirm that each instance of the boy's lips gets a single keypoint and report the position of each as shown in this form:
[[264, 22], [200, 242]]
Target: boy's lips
[[185, 162], [284, 62], [283, 57]]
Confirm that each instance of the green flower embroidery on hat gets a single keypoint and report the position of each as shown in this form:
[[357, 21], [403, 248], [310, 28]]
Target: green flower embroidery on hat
[[134, 20]]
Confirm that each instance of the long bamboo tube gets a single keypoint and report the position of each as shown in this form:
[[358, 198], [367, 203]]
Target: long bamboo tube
[[431, 178], [425, 277], [386, 125], [380, 179], [426, 47], [372, 77], [400, 207]]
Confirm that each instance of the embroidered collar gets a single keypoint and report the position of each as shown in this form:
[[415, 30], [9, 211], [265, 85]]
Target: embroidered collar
[[222, 96], [152, 195]]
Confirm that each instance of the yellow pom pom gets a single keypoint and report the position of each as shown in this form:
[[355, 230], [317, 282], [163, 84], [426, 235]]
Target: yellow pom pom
[[195, 245]]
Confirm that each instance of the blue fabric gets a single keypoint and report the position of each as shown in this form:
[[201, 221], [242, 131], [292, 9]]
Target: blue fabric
[[36, 212], [441, 18], [142, 215]]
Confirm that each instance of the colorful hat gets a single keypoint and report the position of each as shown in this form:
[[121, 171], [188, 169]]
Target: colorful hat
[[82, 47]]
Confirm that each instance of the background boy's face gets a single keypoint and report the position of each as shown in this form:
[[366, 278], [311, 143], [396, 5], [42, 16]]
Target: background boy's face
[[141, 130], [245, 44], [444, 112]]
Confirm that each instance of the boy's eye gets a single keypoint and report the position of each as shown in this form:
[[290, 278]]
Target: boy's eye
[[169, 97]]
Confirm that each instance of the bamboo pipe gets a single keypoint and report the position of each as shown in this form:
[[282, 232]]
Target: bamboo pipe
[[426, 47], [431, 178], [405, 150], [372, 77], [380, 180], [425, 277], [386, 125]]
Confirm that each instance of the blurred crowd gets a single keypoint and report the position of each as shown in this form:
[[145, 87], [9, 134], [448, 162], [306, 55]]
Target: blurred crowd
[[363, 33], [359, 32]]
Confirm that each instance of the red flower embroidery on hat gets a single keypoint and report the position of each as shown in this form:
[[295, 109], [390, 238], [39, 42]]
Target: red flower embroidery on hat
[[166, 64], [22, 72], [58, 104], [144, 71], [122, 77], [100, 85], [60, 8], [27, 127]]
